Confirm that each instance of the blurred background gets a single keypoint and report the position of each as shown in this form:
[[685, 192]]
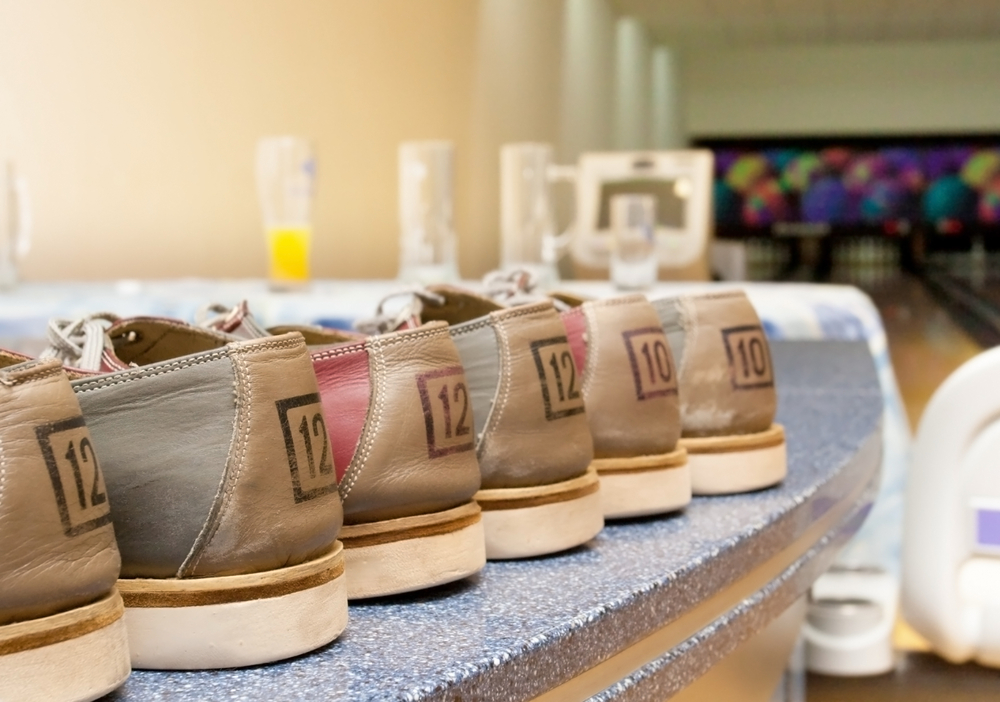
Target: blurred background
[[135, 123]]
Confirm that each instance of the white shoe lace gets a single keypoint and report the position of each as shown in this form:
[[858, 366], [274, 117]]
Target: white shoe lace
[[235, 321], [383, 322], [212, 315], [80, 343], [516, 287]]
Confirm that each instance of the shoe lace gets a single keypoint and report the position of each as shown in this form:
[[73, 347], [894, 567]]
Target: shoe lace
[[236, 321], [516, 287], [213, 315], [511, 287], [79, 342], [383, 322]]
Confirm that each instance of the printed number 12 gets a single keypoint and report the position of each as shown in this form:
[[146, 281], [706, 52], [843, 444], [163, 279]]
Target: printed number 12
[[566, 361], [461, 429], [96, 496], [318, 430]]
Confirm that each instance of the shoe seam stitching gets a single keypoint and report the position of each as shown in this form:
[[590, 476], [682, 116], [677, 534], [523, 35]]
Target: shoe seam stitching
[[721, 295], [142, 373], [496, 413], [469, 327], [3, 475], [626, 300], [31, 376], [355, 347], [360, 459], [593, 350], [523, 311], [244, 409], [408, 334], [382, 342], [172, 366]]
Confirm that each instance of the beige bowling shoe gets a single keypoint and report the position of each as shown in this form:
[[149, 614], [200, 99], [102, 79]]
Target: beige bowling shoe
[[727, 395], [62, 632]]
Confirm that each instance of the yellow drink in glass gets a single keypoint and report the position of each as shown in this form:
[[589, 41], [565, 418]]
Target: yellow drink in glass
[[289, 248]]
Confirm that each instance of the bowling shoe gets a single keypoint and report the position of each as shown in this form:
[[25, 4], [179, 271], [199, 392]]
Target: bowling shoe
[[727, 395], [221, 484], [629, 386], [62, 635], [539, 492], [400, 418]]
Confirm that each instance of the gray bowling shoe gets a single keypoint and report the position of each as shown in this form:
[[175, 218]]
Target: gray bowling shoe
[[539, 493], [223, 493]]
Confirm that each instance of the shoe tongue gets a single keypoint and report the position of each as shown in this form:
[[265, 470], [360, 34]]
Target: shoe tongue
[[237, 322], [454, 305], [566, 300]]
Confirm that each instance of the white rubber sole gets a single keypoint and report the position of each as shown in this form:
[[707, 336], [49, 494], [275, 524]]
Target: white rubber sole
[[644, 485], [536, 521], [238, 620], [413, 553], [723, 465], [73, 656]]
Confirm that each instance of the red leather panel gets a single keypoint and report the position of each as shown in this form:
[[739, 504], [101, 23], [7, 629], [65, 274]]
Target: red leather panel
[[576, 331], [345, 390]]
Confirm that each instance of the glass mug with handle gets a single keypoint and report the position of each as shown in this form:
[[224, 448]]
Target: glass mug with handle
[[15, 224], [286, 185]]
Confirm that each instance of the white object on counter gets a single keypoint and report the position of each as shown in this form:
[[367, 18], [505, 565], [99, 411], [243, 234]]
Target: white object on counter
[[848, 629], [951, 543]]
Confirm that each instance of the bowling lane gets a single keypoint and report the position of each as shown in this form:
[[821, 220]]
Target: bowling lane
[[926, 343]]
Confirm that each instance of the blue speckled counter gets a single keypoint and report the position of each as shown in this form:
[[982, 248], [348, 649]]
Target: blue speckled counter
[[708, 577]]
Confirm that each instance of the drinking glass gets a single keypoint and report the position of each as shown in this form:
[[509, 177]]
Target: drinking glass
[[15, 224], [528, 237], [633, 252], [427, 241], [286, 183]]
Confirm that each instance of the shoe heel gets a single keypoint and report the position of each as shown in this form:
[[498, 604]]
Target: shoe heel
[[722, 465], [236, 620], [412, 553], [538, 520], [644, 485], [73, 656]]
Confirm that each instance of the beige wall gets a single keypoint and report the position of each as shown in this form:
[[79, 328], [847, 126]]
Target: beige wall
[[844, 89], [135, 122]]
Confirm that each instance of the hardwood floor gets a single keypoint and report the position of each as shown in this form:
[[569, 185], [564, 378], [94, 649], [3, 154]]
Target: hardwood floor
[[919, 677]]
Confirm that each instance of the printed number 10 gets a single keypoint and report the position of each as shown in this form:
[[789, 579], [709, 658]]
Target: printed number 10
[[752, 357], [662, 358]]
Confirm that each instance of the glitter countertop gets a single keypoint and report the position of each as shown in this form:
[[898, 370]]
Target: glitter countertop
[[520, 628]]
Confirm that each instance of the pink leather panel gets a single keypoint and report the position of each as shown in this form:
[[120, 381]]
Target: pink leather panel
[[345, 390], [576, 331]]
